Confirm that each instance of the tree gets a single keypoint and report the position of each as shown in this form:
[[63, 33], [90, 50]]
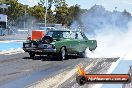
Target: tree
[[74, 12], [56, 3], [66, 15], [2, 1], [15, 10], [62, 14], [37, 11], [125, 12], [50, 3], [50, 17]]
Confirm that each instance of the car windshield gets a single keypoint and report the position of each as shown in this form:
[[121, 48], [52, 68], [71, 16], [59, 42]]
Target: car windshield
[[59, 34], [42, 28]]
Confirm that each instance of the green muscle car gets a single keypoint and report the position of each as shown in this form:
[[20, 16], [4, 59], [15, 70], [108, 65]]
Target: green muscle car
[[60, 43]]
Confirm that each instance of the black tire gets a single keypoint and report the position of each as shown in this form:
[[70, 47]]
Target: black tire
[[81, 80], [81, 54], [92, 49], [32, 55], [62, 54]]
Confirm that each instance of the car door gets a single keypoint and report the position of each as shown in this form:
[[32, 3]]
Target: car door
[[82, 42], [72, 44]]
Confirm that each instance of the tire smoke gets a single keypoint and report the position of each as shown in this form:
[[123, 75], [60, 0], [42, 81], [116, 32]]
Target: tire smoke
[[112, 30]]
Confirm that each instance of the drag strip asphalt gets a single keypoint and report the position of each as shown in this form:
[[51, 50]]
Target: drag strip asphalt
[[18, 71]]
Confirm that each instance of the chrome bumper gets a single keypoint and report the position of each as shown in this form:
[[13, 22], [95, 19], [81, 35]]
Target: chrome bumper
[[39, 50]]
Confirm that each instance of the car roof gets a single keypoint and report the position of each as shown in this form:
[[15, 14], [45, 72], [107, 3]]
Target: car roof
[[47, 27], [61, 30], [65, 30]]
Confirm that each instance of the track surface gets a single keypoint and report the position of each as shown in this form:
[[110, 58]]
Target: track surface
[[18, 71]]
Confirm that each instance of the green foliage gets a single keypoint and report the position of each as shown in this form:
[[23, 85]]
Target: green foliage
[[15, 10], [50, 3], [37, 11], [61, 15], [56, 3], [61, 11], [66, 15], [50, 16], [74, 12], [2, 1]]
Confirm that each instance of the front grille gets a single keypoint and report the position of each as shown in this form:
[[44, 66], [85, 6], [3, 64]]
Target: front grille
[[44, 46], [25, 45]]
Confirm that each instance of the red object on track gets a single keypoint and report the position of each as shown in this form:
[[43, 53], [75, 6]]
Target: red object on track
[[37, 34]]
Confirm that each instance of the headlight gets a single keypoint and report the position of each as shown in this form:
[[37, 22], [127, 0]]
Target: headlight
[[49, 46], [32, 45], [46, 46]]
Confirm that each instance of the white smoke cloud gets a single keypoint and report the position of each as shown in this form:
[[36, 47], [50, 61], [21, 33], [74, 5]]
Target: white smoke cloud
[[113, 32], [112, 43], [127, 1]]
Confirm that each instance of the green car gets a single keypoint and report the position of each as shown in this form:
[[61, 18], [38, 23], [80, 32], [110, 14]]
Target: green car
[[60, 43]]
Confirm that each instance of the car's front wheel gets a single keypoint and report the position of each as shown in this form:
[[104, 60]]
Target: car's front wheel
[[92, 49], [32, 55], [62, 54]]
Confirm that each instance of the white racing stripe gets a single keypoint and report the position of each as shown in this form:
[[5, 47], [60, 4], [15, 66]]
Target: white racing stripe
[[70, 74], [56, 79], [48, 83]]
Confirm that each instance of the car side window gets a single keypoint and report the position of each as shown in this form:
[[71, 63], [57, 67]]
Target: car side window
[[78, 36], [57, 35], [72, 36], [66, 35], [49, 34]]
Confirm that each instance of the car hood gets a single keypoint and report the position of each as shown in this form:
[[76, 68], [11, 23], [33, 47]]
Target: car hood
[[47, 39]]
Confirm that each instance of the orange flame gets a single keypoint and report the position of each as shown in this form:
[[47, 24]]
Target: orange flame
[[80, 70]]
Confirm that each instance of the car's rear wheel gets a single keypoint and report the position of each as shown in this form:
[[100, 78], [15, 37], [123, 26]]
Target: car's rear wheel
[[82, 54], [32, 55], [62, 54]]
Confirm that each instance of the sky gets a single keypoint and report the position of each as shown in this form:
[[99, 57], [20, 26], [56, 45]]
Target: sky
[[86, 4]]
